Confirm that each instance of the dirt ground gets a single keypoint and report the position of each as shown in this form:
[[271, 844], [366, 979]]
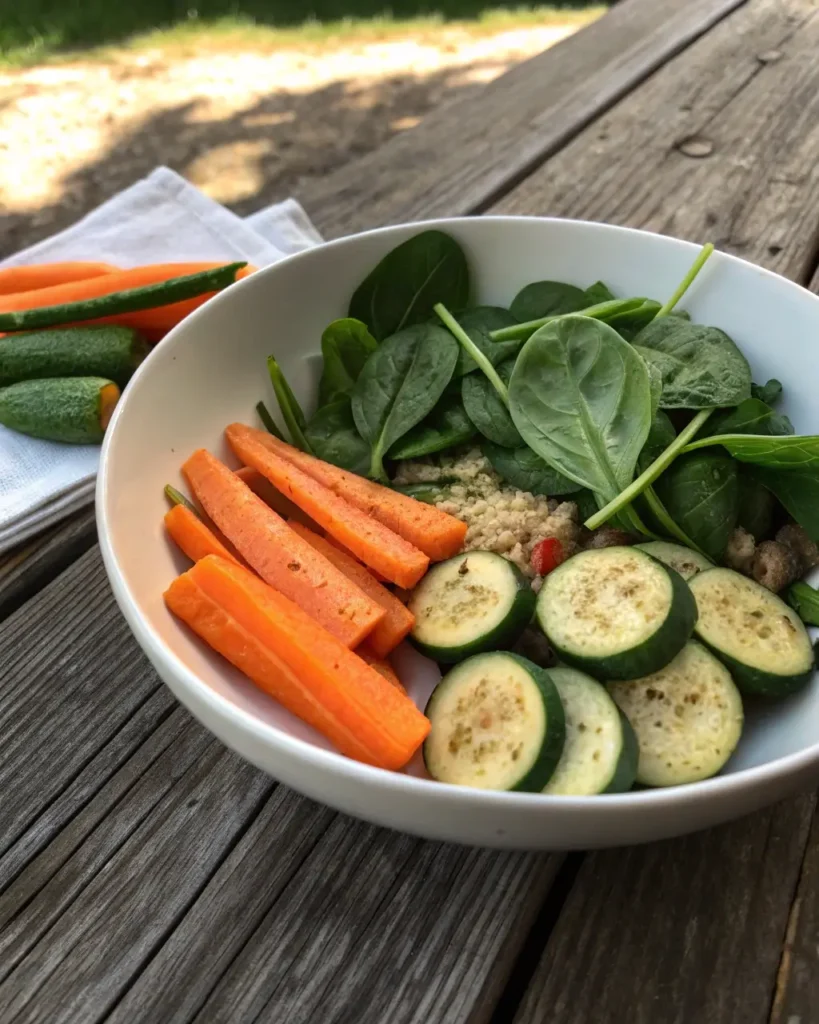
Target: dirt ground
[[245, 127]]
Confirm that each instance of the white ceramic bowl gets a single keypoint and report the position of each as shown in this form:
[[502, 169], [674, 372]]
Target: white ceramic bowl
[[211, 371]]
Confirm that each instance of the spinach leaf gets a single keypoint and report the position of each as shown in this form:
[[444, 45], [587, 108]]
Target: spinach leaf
[[445, 427], [486, 409], [701, 493], [291, 411], [599, 292], [429, 267], [267, 420], [630, 322], [769, 393], [333, 437], [478, 324], [547, 298], [400, 384], [665, 522], [798, 490], [586, 504], [600, 311], [660, 436], [581, 398], [429, 491], [701, 367], [756, 507], [776, 452], [345, 346], [521, 468], [752, 416], [804, 600]]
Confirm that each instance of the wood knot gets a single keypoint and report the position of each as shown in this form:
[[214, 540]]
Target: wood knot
[[695, 146]]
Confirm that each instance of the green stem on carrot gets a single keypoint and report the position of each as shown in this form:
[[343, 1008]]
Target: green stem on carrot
[[687, 281], [472, 349]]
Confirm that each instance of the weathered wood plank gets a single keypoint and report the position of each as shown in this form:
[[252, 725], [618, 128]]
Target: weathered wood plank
[[464, 155], [680, 931], [27, 569], [752, 194]]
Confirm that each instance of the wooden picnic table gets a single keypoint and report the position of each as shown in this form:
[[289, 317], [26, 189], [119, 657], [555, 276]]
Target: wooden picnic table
[[147, 874]]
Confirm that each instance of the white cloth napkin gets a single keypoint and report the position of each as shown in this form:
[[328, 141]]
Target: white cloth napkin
[[160, 219]]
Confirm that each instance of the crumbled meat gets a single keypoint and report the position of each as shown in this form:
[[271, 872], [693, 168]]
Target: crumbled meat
[[795, 538], [499, 518], [608, 537], [775, 565], [534, 646], [739, 552]]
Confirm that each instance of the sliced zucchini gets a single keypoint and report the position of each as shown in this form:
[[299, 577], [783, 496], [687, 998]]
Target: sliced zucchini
[[600, 752], [474, 602], [497, 723], [752, 631], [687, 562], [616, 613], [687, 717]]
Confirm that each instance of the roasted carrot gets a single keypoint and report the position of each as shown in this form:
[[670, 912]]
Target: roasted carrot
[[398, 620], [280, 556], [381, 665], [192, 536], [436, 533], [262, 487], [299, 663], [340, 547], [45, 275], [368, 539]]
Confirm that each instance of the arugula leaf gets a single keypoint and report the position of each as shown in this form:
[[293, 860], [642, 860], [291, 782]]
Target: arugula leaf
[[486, 409], [332, 436], [400, 384], [776, 452], [291, 411], [769, 393], [580, 397], [599, 292], [751, 417], [547, 298], [345, 346], [701, 367], [478, 324], [526, 471], [701, 494], [798, 490], [804, 600], [401, 291], [445, 427]]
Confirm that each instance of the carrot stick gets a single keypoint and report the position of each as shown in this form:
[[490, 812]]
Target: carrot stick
[[368, 539], [279, 555], [436, 533], [398, 620], [263, 488], [340, 547], [380, 665], [44, 275], [193, 537], [301, 665]]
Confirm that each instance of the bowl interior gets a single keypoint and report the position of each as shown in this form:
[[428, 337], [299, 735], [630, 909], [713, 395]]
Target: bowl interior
[[212, 371]]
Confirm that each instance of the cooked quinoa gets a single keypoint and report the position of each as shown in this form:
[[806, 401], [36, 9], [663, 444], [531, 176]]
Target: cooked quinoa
[[499, 518]]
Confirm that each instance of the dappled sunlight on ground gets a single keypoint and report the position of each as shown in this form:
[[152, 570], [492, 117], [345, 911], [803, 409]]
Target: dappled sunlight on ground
[[244, 126]]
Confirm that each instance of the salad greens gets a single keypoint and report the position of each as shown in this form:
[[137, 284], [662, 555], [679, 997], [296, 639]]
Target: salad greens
[[567, 390]]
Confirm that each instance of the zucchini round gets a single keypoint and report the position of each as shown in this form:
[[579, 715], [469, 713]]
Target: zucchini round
[[753, 632], [686, 562], [496, 723], [600, 752], [687, 718], [471, 603], [616, 613]]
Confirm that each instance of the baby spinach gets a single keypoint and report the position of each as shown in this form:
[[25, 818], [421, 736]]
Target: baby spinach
[[428, 491], [769, 393], [526, 471], [547, 298], [445, 427], [478, 324], [752, 416], [267, 420], [291, 411], [701, 367], [702, 258], [701, 494], [775, 452], [629, 322], [580, 397], [660, 436], [332, 436], [487, 410], [400, 384], [666, 522], [401, 291], [607, 311], [804, 600], [599, 292], [798, 490], [345, 347], [756, 506]]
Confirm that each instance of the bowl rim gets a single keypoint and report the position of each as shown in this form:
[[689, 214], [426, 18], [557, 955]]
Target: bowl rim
[[355, 772]]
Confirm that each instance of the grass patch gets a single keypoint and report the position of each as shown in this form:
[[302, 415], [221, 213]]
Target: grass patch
[[47, 30]]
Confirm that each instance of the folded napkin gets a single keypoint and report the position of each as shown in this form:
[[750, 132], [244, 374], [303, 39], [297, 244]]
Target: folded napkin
[[160, 219]]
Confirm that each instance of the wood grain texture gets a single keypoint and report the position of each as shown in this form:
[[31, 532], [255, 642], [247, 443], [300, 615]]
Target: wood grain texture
[[681, 931], [28, 568], [757, 194], [467, 153]]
